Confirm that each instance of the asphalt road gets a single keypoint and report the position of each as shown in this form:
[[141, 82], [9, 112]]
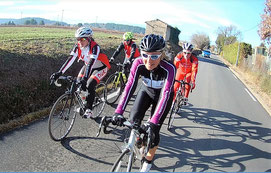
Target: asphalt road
[[223, 128]]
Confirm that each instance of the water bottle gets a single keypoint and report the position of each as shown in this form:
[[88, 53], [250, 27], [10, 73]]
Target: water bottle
[[83, 96], [124, 77]]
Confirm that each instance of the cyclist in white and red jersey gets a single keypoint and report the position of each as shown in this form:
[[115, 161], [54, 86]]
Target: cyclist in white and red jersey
[[156, 90], [96, 65]]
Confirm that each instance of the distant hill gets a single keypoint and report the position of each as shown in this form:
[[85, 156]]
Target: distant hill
[[22, 21], [108, 26], [118, 27]]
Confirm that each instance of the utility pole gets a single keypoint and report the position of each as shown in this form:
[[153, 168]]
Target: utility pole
[[62, 16], [238, 52], [96, 22], [22, 17]]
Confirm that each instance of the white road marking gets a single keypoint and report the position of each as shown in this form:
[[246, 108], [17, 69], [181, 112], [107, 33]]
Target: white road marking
[[250, 95], [234, 76]]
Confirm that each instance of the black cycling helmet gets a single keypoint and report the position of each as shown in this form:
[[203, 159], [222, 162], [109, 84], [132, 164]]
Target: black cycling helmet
[[152, 43]]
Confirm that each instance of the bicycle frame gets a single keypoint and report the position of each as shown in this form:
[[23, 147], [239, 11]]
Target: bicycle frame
[[73, 91], [131, 147], [120, 73]]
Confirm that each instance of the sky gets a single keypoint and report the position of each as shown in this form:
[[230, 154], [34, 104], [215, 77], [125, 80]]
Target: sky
[[190, 16]]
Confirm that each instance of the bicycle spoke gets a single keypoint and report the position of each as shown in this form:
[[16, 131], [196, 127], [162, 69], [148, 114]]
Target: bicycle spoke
[[62, 117]]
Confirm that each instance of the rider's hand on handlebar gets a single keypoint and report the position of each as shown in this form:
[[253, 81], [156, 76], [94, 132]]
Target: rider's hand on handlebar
[[145, 127], [56, 75], [118, 119], [193, 85]]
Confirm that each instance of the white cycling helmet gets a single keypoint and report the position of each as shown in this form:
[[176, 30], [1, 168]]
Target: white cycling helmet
[[188, 46], [83, 32]]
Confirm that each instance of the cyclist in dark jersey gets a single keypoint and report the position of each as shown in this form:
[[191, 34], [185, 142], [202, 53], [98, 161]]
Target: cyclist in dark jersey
[[157, 90], [130, 49]]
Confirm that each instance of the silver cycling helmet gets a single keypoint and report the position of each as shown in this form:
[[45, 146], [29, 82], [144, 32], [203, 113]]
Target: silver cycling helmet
[[83, 32], [188, 46], [152, 43]]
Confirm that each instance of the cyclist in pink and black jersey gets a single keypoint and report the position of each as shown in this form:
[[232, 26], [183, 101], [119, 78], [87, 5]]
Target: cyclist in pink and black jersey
[[157, 90], [96, 64]]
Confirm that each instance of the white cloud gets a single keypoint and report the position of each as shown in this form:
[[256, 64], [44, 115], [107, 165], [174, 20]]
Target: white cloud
[[6, 3]]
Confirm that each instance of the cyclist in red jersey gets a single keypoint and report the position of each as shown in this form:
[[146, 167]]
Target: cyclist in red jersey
[[96, 65], [187, 67], [130, 48]]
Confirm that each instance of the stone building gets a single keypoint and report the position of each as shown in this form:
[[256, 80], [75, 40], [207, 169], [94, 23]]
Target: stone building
[[159, 27]]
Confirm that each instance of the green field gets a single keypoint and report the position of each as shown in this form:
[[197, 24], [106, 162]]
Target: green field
[[28, 56], [51, 41]]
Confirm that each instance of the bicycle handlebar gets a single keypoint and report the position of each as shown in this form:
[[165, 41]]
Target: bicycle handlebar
[[184, 83], [69, 78], [118, 64]]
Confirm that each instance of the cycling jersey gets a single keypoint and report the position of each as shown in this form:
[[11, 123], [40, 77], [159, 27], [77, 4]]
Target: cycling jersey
[[131, 51], [157, 83], [186, 70], [91, 56], [186, 66]]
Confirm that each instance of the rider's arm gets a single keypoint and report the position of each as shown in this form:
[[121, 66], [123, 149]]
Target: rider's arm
[[177, 60], [194, 69], [93, 59], [116, 53], [133, 51], [130, 86], [70, 60], [165, 91]]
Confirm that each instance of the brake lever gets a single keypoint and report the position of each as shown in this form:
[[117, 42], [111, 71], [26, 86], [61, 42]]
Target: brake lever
[[150, 134], [104, 123]]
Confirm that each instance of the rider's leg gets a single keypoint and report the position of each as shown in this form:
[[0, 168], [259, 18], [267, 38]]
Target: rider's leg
[[91, 84], [187, 87], [179, 76], [150, 155], [141, 105]]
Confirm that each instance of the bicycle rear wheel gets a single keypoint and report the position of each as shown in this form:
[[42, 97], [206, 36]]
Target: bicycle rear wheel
[[62, 117], [123, 164], [99, 101], [113, 88]]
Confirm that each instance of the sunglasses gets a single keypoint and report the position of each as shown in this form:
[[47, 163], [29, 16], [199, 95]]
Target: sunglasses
[[81, 39], [187, 53], [153, 57]]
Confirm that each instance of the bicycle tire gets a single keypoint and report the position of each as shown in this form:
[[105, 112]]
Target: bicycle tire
[[99, 101], [174, 109], [119, 165], [113, 89], [62, 117]]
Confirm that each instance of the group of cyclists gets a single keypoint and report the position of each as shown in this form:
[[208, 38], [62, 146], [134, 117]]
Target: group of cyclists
[[146, 62]]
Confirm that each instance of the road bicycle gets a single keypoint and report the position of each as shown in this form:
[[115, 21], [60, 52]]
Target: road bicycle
[[178, 102], [115, 84], [71, 103], [136, 146]]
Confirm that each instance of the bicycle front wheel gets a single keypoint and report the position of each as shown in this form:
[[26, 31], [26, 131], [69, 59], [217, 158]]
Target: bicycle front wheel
[[62, 117], [123, 164], [99, 101], [113, 88], [173, 111]]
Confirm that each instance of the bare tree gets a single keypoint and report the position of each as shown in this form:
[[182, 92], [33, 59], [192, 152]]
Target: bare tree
[[265, 26], [201, 40], [226, 35], [230, 33]]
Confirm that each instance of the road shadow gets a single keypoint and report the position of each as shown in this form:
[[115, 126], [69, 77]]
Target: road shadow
[[105, 146], [225, 131], [212, 61]]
